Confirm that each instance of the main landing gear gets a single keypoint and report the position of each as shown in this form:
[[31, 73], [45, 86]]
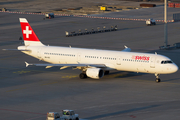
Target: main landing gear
[[157, 78], [82, 75]]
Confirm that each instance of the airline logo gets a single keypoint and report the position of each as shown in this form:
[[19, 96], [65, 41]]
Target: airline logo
[[27, 31], [145, 58]]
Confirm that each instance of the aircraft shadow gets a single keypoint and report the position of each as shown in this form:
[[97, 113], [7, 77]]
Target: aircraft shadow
[[171, 79], [123, 74], [121, 112]]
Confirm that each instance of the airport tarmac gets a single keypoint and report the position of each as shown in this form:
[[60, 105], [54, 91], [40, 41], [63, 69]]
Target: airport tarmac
[[29, 93], [156, 13]]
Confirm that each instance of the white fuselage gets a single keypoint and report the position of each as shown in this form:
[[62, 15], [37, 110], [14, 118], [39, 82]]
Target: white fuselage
[[119, 60]]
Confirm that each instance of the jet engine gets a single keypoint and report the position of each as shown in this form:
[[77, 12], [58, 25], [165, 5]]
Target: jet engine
[[95, 73]]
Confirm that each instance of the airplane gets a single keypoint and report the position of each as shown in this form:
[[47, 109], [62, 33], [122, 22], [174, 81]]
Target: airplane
[[92, 62]]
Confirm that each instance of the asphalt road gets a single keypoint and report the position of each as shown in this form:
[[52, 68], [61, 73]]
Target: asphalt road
[[29, 93]]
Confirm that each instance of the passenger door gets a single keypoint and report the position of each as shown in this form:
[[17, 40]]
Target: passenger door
[[118, 60], [39, 53], [79, 57], [152, 62]]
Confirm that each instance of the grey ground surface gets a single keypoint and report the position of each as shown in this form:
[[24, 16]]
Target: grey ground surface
[[49, 5], [29, 93], [156, 13]]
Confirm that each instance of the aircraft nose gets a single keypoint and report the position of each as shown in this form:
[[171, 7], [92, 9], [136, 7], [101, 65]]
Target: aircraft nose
[[175, 68]]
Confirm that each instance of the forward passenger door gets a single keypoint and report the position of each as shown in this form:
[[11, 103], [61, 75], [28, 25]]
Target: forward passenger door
[[152, 62]]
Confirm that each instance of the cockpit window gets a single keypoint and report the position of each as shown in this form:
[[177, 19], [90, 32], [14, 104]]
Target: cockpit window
[[166, 62]]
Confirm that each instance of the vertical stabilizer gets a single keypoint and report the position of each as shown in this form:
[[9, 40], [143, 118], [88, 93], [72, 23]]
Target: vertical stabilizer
[[30, 38]]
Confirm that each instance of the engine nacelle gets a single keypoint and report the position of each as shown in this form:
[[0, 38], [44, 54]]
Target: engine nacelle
[[95, 73]]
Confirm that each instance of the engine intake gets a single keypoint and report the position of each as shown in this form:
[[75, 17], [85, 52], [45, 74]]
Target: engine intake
[[95, 73]]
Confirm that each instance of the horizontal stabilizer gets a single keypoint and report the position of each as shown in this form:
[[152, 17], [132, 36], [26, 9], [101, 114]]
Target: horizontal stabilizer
[[27, 64], [17, 49]]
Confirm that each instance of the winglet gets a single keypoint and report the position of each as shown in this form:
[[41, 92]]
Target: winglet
[[27, 64], [126, 49], [125, 46]]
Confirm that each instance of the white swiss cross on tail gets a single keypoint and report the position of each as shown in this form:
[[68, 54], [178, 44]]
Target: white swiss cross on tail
[[27, 31], [29, 36]]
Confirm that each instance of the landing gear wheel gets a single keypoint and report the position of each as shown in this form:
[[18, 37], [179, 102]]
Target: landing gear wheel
[[82, 76], [158, 80]]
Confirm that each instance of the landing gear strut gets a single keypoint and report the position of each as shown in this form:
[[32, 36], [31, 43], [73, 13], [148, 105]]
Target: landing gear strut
[[82, 75], [157, 78]]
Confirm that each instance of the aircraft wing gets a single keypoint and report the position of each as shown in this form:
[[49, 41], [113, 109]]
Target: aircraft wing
[[68, 65], [126, 49]]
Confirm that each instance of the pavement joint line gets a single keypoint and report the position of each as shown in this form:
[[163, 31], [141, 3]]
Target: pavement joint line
[[35, 117], [3, 78], [136, 113], [87, 16], [50, 83], [8, 58], [15, 89], [10, 68], [21, 111], [117, 103]]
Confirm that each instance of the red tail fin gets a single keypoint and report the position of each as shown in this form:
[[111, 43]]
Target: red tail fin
[[29, 36]]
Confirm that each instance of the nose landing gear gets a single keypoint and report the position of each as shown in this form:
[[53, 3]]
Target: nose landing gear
[[157, 78]]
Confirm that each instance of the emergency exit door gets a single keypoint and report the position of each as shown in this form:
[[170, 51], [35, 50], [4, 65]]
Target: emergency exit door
[[79, 57]]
